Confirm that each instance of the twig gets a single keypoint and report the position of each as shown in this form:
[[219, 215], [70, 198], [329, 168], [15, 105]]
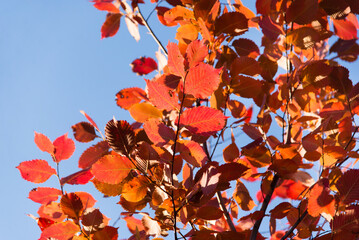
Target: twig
[[225, 211], [295, 225], [152, 33], [264, 206]]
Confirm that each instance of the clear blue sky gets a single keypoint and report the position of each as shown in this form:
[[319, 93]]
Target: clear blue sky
[[53, 64]]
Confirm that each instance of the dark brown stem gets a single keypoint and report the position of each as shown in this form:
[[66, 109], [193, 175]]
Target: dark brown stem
[[225, 211], [295, 225], [264, 206]]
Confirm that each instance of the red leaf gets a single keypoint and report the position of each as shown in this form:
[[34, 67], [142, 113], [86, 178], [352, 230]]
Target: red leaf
[[348, 186], [87, 199], [90, 120], [192, 152], [209, 213], [112, 169], [84, 132], [175, 60], [60, 231], [36, 171], [161, 96], [245, 65], [196, 52], [44, 223], [107, 233], [92, 154], [44, 195], [158, 132], [143, 65], [111, 25], [106, 6], [270, 30], [44, 143], [80, 177], [202, 80], [71, 205], [231, 171], [133, 224], [345, 29], [64, 148], [320, 200], [302, 11], [202, 120], [130, 96], [120, 136], [246, 47], [233, 23]]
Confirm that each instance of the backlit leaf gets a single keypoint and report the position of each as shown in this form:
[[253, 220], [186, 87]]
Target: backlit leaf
[[143, 65], [44, 195], [151, 226], [44, 143], [129, 96], [270, 29], [192, 152], [60, 231], [202, 80], [246, 47], [134, 224], [107, 233], [80, 177], [111, 25], [175, 60], [230, 153], [348, 186], [64, 148], [71, 205], [106, 6], [246, 87], [320, 200], [209, 213], [158, 132], [345, 29], [141, 112], [231, 171], [87, 199], [161, 96], [52, 211], [135, 189], [245, 65], [178, 14], [92, 154], [120, 136], [304, 37], [92, 219], [112, 168], [302, 12], [36, 171], [90, 120], [196, 52], [232, 23], [108, 189], [84, 132], [242, 197], [202, 120]]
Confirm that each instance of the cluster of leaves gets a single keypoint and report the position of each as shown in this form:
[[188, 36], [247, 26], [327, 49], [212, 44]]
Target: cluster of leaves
[[163, 160]]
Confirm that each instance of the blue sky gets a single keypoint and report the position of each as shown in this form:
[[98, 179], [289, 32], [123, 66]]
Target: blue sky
[[53, 64]]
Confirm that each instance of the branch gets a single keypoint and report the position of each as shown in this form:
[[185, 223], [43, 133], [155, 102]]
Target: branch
[[264, 206], [152, 33], [295, 225]]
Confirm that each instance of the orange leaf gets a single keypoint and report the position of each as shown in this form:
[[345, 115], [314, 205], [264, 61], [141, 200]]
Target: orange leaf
[[90, 120], [161, 96], [129, 96], [135, 189], [107, 233], [242, 197], [320, 200], [196, 52], [84, 132], [92, 154], [64, 148], [87, 200], [345, 29], [112, 169], [202, 80], [60, 231], [202, 120], [192, 152], [44, 195], [141, 112], [71, 205], [230, 153], [133, 224], [108, 189], [158, 132], [51, 211], [120, 136], [175, 60], [44, 143], [111, 25], [36, 171]]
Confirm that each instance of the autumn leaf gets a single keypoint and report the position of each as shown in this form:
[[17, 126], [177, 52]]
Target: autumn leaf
[[242, 197], [106, 6], [158, 132], [202, 120], [120, 136], [143, 65], [107, 233], [319, 200], [245, 65], [44, 143], [71, 205], [161, 96], [302, 12], [111, 25], [202, 80], [44, 195], [192, 152], [52, 211], [112, 168], [196, 52], [232, 23], [151, 226], [246, 47], [64, 148], [175, 60], [87, 199], [141, 112], [80, 177], [345, 29], [130, 96], [134, 224], [60, 231], [84, 132], [348, 186], [108, 189], [90, 120], [36, 171], [92, 154], [209, 213], [135, 189]]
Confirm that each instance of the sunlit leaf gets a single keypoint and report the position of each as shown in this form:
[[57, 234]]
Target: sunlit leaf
[[203, 120], [44, 195], [135, 189], [60, 231], [52, 211], [158, 132], [320, 200], [242, 197], [111, 25], [196, 52], [144, 111], [246, 47], [107, 233], [106, 6], [202, 80], [161, 96], [36, 171], [304, 37], [80, 177], [108, 189], [151, 226], [129, 96], [92, 154], [71, 205], [143, 65], [44, 143], [175, 60], [133, 224], [64, 148], [192, 152], [112, 169]]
